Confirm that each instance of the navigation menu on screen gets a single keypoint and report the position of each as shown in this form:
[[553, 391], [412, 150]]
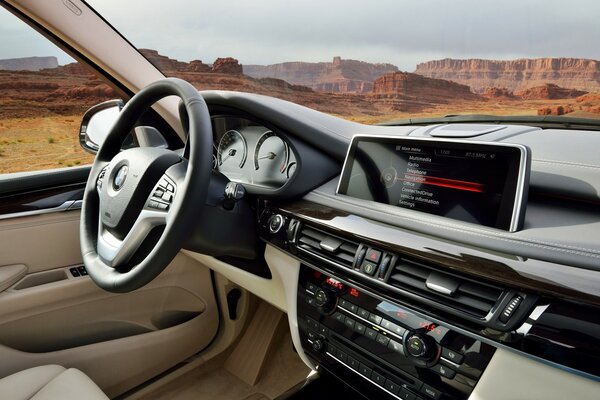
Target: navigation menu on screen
[[471, 182]]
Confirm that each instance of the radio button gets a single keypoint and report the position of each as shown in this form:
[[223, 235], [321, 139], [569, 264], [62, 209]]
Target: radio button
[[406, 395], [343, 356], [345, 304], [338, 316], [430, 392], [349, 322], [371, 334], [395, 346], [323, 330], [353, 363], [382, 339], [359, 328], [311, 287], [375, 319], [312, 324], [363, 313], [310, 301], [366, 371], [453, 356], [378, 378], [443, 371], [390, 326], [392, 386]]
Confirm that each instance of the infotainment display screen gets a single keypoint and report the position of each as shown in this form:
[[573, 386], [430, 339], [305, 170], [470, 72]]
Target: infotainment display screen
[[482, 183]]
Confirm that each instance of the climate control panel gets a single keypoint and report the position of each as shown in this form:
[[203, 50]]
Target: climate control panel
[[390, 348]]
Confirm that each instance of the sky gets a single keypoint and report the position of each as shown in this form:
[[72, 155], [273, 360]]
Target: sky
[[400, 32]]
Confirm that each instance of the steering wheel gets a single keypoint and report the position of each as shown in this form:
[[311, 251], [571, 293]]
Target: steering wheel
[[141, 204]]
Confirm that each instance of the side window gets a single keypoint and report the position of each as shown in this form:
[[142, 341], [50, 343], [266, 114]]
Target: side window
[[43, 95]]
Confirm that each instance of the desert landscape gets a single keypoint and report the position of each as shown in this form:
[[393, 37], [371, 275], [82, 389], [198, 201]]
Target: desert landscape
[[41, 102]]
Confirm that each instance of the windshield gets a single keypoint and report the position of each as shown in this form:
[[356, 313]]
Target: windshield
[[379, 61]]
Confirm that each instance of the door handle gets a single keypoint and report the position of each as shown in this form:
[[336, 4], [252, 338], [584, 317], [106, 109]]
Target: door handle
[[10, 274]]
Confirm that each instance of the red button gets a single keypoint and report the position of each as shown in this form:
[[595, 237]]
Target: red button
[[374, 255]]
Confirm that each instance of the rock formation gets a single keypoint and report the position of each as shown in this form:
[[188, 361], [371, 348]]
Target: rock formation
[[197, 66], [405, 91], [71, 69], [585, 106], [577, 73], [555, 110], [28, 63], [339, 76], [171, 66], [498, 93], [161, 62], [548, 91], [227, 65]]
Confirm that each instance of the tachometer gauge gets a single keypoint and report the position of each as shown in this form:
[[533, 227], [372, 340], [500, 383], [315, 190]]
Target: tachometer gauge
[[271, 152], [232, 150]]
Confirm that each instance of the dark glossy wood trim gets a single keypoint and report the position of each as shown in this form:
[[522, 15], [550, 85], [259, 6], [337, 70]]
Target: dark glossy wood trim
[[39, 200], [541, 277]]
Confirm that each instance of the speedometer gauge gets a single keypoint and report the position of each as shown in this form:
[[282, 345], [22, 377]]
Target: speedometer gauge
[[271, 153], [232, 150]]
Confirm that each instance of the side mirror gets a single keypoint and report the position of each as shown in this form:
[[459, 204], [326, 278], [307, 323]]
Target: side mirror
[[96, 124]]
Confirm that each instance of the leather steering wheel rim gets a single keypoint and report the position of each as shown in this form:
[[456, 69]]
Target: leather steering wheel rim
[[192, 177]]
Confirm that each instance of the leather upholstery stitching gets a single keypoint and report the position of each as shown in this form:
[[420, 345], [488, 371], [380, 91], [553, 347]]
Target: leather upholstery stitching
[[572, 164]]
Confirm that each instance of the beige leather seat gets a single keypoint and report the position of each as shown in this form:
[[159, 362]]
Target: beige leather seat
[[49, 382]]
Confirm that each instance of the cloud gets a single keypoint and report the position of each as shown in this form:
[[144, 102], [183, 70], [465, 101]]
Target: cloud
[[397, 31]]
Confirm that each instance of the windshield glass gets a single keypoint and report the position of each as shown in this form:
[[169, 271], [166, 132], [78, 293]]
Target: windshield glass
[[379, 61]]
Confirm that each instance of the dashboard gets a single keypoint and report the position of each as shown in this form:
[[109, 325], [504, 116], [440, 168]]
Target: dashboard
[[406, 302]]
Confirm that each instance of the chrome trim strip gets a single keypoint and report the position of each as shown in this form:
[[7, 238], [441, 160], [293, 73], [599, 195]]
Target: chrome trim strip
[[438, 288], [66, 206], [519, 204]]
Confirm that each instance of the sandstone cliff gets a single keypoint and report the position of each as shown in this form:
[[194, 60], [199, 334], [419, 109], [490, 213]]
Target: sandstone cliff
[[404, 91], [548, 91], [341, 76], [576, 73], [227, 65], [28, 63], [498, 93]]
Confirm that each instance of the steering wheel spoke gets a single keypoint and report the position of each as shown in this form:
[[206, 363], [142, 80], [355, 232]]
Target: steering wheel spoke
[[114, 251]]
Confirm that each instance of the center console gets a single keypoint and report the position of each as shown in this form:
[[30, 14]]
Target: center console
[[391, 348], [409, 317]]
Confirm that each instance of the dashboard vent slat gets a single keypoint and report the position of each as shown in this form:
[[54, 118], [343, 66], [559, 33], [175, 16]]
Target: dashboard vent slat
[[474, 298], [328, 246]]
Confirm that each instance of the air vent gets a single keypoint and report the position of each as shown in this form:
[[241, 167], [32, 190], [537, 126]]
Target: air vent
[[327, 246], [474, 298]]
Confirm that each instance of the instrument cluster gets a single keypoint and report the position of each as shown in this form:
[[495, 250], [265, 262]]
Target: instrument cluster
[[249, 153]]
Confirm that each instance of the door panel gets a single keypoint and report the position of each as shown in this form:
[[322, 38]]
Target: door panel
[[120, 340], [41, 242]]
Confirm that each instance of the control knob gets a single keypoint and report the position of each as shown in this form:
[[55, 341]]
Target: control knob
[[325, 300], [318, 345], [275, 223], [418, 346]]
